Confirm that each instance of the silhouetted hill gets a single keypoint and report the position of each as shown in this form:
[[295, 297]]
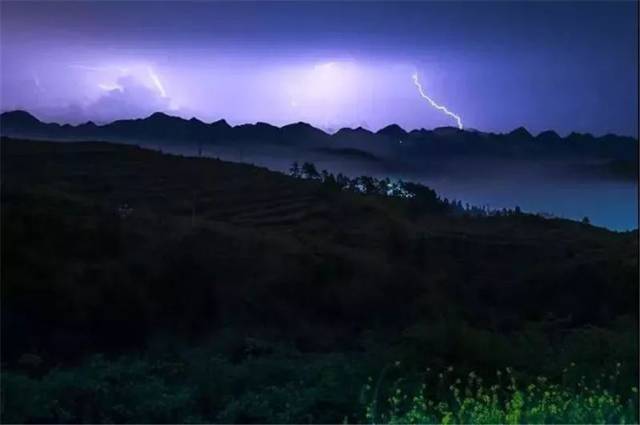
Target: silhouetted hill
[[220, 292], [393, 131], [217, 243], [160, 128], [19, 120], [548, 136], [301, 132], [520, 134]]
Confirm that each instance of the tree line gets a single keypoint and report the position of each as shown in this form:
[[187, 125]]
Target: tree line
[[418, 194]]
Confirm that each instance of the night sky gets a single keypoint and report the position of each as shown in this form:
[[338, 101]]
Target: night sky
[[544, 65]]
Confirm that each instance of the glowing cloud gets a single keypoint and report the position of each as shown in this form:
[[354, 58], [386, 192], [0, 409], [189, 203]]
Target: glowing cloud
[[434, 104], [109, 87]]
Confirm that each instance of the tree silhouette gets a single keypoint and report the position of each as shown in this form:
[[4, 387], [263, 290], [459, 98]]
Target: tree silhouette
[[294, 171], [309, 171]]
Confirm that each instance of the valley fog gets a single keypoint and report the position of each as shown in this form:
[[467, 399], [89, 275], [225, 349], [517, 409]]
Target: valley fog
[[562, 189]]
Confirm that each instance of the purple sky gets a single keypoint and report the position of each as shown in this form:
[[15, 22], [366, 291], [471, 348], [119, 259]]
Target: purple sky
[[564, 66]]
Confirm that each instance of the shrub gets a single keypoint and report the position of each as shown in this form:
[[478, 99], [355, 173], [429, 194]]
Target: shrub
[[447, 397]]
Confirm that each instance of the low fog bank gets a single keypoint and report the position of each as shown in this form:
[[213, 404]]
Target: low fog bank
[[559, 188]]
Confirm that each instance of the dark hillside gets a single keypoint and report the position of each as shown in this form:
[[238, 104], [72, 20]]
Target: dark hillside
[[196, 241], [107, 247]]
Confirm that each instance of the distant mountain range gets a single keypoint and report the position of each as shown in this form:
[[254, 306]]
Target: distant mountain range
[[160, 129]]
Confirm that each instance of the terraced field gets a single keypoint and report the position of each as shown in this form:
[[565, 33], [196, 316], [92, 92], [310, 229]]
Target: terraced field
[[208, 190]]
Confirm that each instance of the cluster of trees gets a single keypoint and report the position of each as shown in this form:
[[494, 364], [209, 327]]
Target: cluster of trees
[[456, 207], [420, 198], [363, 184], [419, 194]]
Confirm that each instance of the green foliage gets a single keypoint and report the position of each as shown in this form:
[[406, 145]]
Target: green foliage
[[202, 385], [128, 390], [196, 386], [449, 397]]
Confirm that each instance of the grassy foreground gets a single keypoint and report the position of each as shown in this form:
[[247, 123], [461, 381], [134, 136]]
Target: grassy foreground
[[447, 399], [200, 387]]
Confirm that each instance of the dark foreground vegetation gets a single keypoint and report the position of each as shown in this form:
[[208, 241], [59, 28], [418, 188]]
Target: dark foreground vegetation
[[142, 287]]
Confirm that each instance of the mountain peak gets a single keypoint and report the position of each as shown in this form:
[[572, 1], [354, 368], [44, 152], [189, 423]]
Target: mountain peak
[[19, 116], [393, 130], [354, 131], [221, 123], [549, 135], [164, 117], [299, 124], [301, 133], [521, 133], [264, 125], [156, 116]]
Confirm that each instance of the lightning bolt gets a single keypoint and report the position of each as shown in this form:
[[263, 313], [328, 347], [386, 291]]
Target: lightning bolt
[[434, 104], [156, 82], [36, 81]]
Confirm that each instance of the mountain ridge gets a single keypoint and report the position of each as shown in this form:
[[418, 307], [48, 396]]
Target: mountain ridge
[[388, 129], [160, 127]]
